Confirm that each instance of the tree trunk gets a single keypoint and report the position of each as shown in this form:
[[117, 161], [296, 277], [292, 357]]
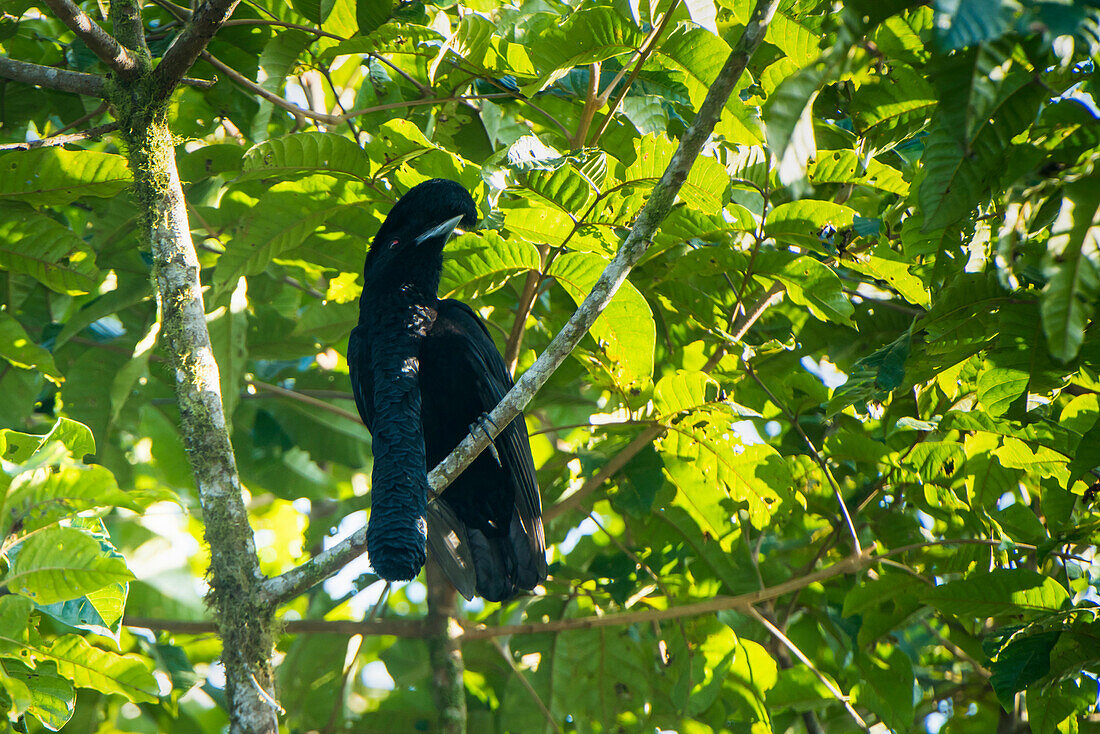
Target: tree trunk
[[445, 652]]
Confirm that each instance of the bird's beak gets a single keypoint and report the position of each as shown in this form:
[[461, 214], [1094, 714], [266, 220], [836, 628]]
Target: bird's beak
[[446, 228]]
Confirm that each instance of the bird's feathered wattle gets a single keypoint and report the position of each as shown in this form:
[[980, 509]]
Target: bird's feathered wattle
[[423, 370]]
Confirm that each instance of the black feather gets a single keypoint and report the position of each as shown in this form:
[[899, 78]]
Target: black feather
[[422, 371]]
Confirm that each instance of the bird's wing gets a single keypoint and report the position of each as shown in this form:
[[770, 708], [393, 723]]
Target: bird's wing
[[362, 381], [512, 443], [449, 545]]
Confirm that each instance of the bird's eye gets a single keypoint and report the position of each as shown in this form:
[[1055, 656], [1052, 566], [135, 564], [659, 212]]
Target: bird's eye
[[394, 244]]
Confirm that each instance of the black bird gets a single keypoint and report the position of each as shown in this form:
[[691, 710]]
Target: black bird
[[424, 371]]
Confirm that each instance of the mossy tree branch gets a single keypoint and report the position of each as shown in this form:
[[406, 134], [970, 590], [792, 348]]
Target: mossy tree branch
[[244, 622], [102, 44], [62, 80]]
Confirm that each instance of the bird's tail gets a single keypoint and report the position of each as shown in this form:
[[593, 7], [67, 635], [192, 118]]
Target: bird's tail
[[493, 567], [395, 537]]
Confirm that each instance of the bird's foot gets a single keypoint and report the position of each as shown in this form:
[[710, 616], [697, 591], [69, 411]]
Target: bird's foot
[[480, 423]]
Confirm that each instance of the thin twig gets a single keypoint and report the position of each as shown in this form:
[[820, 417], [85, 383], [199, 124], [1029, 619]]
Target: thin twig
[[638, 61], [742, 602], [55, 140], [305, 399], [322, 117], [527, 686], [592, 100], [836, 693], [793, 420], [523, 309], [608, 470], [282, 24]]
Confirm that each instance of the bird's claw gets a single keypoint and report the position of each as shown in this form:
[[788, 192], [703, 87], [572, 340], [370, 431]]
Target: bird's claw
[[480, 423]]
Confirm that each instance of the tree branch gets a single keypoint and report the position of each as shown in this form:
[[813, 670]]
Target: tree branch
[[280, 24], [608, 470], [54, 140], [189, 44], [742, 602], [102, 44], [62, 80], [638, 61], [303, 398], [395, 627], [323, 117], [244, 619], [630, 252], [125, 17]]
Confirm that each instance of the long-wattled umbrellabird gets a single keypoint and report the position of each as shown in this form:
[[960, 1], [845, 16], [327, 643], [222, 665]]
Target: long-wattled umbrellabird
[[423, 371]]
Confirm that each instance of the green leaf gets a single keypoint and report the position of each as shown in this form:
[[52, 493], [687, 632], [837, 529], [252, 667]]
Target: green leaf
[[710, 465], [886, 687], [563, 187], [587, 36], [106, 672], [62, 563], [874, 376], [1023, 661], [1087, 452], [696, 55], [809, 283], [1073, 284], [845, 167], [277, 61], [469, 41], [306, 153], [54, 176], [474, 265], [804, 222], [49, 698], [370, 14], [788, 119], [314, 10], [282, 218], [625, 331], [752, 673], [962, 23], [19, 350], [797, 41], [1050, 711], [538, 225], [99, 611], [999, 593], [885, 264], [705, 187], [682, 391], [959, 173], [37, 245], [37, 498], [888, 108], [1040, 433]]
